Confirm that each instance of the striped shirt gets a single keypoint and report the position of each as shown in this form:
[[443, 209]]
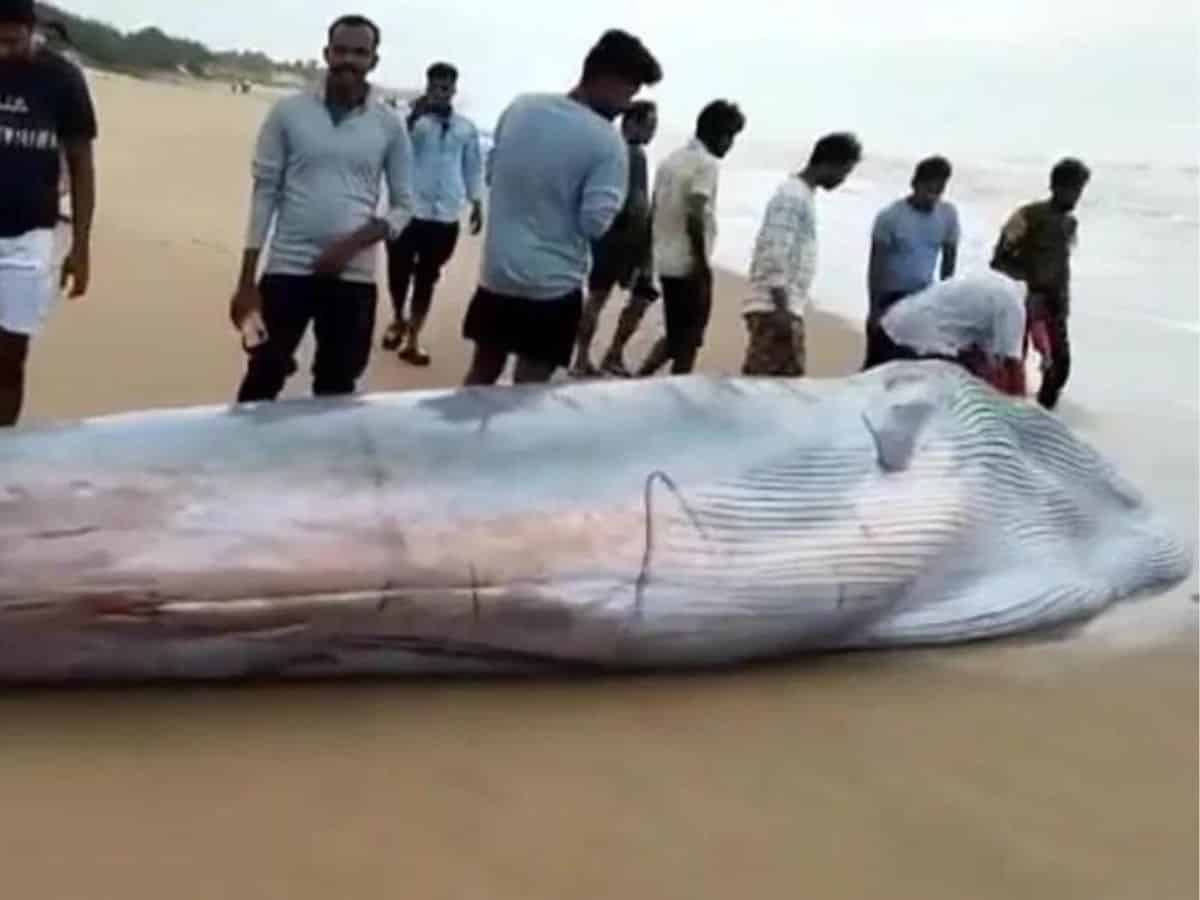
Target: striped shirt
[[785, 251]]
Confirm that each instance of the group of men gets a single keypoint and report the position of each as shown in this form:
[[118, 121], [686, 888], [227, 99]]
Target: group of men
[[986, 321], [572, 216]]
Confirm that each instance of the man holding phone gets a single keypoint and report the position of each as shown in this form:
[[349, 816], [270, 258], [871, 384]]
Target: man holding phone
[[447, 177], [327, 150]]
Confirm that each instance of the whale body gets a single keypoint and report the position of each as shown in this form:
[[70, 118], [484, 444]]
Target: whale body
[[689, 521]]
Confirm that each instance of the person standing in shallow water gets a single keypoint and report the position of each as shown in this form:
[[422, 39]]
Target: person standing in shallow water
[[559, 173], [784, 265], [447, 175], [685, 233], [906, 241], [321, 158], [624, 255], [1035, 247]]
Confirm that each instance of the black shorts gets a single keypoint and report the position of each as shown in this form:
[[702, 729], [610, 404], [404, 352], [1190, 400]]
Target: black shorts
[[687, 304], [614, 260], [539, 330]]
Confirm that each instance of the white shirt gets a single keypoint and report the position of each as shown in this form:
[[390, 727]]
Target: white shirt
[[688, 172], [984, 310], [785, 251]]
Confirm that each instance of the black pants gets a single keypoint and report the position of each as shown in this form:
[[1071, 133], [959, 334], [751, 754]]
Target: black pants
[[887, 350], [879, 346], [343, 317], [1054, 379], [687, 304], [422, 249]]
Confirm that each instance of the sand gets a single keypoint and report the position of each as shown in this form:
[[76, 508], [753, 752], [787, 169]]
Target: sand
[[1019, 770]]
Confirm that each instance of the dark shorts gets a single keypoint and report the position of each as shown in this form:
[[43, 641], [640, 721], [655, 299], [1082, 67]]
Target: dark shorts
[[614, 263], [539, 330], [878, 343], [687, 304], [423, 248]]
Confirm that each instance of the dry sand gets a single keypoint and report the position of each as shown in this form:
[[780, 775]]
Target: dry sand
[[1029, 771]]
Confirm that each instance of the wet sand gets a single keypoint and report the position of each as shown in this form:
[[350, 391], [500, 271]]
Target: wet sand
[[1053, 769]]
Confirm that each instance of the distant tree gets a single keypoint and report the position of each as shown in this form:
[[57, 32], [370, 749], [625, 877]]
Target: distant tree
[[100, 44]]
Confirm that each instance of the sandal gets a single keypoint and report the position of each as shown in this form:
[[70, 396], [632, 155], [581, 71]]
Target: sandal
[[615, 367], [415, 355], [394, 336]]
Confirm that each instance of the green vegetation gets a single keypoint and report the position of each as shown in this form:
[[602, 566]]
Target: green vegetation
[[150, 49]]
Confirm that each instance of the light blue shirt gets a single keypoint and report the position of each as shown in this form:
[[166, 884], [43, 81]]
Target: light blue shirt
[[911, 241], [559, 173], [447, 167], [320, 181]]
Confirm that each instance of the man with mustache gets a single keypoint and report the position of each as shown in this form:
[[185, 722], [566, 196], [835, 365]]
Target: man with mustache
[[447, 175], [320, 160], [47, 120], [559, 174]]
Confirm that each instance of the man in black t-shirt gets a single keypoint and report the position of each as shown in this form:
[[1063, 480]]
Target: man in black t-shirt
[[46, 117]]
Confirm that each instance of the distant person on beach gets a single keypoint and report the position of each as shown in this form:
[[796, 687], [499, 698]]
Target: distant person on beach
[[685, 234], [559, 174], [447, 177], [1035, 247], [784, 264], [975, 321], [906, 241], [47, 121], [623, 256], [319, 165]]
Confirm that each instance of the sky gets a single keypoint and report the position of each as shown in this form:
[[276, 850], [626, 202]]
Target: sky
[[1108, 80]]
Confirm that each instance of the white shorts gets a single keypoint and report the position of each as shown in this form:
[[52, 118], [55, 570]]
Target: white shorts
[[30, 267]]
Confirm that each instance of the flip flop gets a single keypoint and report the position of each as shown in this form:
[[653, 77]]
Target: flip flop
[[394, 336], [616, 368], [415, 355]]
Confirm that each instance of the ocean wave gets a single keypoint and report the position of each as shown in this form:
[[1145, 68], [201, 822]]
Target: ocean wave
[[1144, 318]]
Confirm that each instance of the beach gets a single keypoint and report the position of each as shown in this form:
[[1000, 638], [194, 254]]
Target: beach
[[1037, 769]]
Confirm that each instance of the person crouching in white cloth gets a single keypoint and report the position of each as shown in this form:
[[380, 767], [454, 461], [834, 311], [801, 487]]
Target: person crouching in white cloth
[[976, 321], [46, 116]]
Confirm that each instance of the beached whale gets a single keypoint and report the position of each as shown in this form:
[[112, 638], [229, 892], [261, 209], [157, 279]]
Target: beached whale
[[671, 522]]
